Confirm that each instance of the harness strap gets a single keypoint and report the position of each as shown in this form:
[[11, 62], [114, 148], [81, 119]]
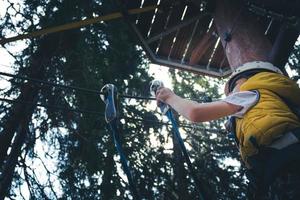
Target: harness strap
[[124, 162], [109, 97], [199, 186], [165, 109], [287, 139]]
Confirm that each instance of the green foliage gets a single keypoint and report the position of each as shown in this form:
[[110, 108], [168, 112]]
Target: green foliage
[[86, 58], [294, 61], [68, 140]]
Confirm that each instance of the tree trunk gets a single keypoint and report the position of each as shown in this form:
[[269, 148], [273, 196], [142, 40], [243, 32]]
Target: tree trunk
[[245, 37], [19, 112], [10, 164]]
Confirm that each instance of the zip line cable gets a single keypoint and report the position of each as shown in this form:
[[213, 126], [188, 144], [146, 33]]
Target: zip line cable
[[11, 101], [72, 87], [79, 88], [183, 125], [91, 111], [85, 110]]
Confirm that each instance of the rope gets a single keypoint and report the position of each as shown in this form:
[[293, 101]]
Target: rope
[[124, 162], [80, 88], [74, 25], [11, 101], [184, 125], [72, 87], [177, 135]]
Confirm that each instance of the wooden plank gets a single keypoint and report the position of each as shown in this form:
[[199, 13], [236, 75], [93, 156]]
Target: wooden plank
[[166, 42], [184, 34], [146, 18], [219, 60], [205, 45], [160, 19], [181, 42], [199, 33]]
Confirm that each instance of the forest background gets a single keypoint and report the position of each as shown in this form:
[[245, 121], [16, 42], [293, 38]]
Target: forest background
[[54, 141]]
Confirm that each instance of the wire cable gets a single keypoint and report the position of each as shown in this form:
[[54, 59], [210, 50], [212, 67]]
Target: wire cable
[[72, 87], [84, 89], [11, 101], [183, 125]]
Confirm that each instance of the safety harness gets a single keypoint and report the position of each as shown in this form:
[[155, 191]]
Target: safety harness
[[165, 109], [281, 151], [109, 96]]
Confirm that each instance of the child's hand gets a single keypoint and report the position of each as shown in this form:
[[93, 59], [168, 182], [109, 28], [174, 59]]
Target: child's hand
[[163, 94]]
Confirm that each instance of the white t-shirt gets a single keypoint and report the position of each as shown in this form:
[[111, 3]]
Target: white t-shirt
[[245, 99]]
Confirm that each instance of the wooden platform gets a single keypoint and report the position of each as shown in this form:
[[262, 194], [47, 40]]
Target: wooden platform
[[183, 35]]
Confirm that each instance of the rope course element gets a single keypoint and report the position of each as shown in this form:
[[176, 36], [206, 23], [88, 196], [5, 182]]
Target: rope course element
[[89, 111], [110, 98], [155, 85], [126, 118], [71, 87], [111, 116], [74, 25], [85, 89]]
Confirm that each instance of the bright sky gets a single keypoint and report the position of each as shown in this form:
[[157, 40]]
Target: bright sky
[[161, 73]]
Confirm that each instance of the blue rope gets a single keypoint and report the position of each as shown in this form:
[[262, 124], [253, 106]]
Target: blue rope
[[177, 135], [124, 162]]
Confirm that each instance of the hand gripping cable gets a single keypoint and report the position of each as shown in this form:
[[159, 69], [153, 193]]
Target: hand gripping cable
[[110, 96], [165, 109]]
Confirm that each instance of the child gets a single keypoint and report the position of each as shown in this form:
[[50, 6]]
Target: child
[[265, 126]]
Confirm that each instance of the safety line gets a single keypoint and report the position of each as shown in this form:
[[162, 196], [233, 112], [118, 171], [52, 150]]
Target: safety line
[[76, 24], [175, 130], [124, 162], [183, 125], [52, 106], [72, 87], [82, 89]]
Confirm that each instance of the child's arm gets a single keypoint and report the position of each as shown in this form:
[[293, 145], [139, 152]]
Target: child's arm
[[194, 111]]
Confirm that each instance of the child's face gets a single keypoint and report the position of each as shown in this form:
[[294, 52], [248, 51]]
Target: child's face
[[237, 86]]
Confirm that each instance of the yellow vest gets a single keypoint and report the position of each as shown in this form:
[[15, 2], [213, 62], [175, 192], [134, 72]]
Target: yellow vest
[[270, 118]]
